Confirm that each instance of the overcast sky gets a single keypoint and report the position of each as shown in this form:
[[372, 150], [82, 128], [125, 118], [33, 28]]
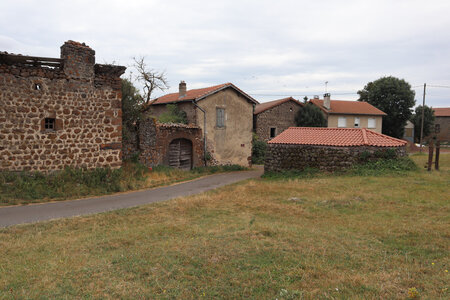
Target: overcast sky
[[269, 49]]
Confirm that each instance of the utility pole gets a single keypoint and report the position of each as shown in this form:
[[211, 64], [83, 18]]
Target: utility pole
[[423, 113]]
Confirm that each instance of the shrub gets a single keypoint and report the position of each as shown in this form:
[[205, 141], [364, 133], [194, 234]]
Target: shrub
[[259, 148]]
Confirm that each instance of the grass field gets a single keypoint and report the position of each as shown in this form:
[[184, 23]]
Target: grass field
[[324, 237]]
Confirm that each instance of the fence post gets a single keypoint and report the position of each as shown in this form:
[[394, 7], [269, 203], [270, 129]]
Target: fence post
[[436, 161], [430, 154]]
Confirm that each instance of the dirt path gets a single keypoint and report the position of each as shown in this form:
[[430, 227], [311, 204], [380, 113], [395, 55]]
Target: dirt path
[[14, 215]]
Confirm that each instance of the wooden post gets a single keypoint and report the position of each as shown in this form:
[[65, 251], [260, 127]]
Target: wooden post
[[436, 161], [430, 155]]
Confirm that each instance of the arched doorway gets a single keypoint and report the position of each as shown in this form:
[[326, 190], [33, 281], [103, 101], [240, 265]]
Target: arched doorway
[[180, 154]]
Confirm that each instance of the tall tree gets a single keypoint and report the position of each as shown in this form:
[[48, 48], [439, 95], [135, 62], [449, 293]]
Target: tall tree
[[310, 116], [150, 79], [131, 109], [428, 121], [393, 96]]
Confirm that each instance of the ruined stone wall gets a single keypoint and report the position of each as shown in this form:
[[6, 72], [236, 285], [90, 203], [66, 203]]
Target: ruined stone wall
[[280, 117], [281, 157], [155, 138], [82, 98]]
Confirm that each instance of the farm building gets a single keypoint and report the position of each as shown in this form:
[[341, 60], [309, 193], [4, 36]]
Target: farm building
[[327, 149]]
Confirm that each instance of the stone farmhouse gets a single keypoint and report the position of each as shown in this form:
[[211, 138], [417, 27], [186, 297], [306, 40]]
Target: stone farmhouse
[[224, 115], [327, 149], [273, 117], [442, 123], [350, 114], [57, 112]]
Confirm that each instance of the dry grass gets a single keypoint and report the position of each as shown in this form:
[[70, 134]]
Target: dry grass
[[318, 238]]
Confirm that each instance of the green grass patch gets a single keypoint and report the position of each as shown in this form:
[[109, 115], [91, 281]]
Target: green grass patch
[[71, 183]]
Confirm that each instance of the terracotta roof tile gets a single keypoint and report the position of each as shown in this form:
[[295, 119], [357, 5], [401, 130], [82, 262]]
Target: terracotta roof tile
[[268, 105], [338, 137], [442, 112], [197, 94], [348, 107]]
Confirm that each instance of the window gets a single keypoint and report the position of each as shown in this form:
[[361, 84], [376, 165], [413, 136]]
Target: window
[[371, 123], [49, 124], [342, 122], [357, 122], [220, 117], [437, 128], [273, 132]]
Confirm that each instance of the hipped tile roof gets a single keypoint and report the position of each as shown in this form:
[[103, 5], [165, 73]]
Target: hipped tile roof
[[442, 112], [268, 105], [338, 137], [198, 94], [348, 107]]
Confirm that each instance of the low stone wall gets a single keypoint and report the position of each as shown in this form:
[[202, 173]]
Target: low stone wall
[[153, 140], [280, 157]]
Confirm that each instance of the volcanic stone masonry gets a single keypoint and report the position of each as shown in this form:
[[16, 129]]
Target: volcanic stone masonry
[[280, 157], [59, 112]]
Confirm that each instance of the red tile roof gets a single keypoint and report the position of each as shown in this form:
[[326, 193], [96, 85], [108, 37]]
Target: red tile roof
[[268, 105], [338, 137], [348, 107], [198, 94], [442, 112]]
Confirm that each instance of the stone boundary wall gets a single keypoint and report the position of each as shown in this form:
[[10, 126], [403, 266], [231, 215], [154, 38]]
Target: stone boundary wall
[[280, 157], [152, 143], [80, 98]]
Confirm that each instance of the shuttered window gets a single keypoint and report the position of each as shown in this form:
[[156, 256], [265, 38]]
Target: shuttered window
[[371, 123], [220, 117], [342, 122]]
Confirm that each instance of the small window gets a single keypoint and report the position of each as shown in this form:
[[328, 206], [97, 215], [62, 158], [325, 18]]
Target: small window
[[342, 122], [371, 123], [273, 132], [49, 124], [37, 86], [220, 117], [357, 122], [437, 128], [290, 109]]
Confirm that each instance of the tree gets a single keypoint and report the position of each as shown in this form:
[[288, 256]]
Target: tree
[[131, 109], [428, 121], [173, 115], [393, 96], [150, 79], [310, 116]]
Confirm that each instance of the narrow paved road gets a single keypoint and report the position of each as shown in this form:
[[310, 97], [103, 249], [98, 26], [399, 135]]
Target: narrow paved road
[[14, 215]]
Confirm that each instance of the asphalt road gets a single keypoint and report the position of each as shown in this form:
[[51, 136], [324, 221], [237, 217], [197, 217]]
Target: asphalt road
[[14, 215]]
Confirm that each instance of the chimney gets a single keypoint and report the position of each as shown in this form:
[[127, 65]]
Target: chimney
[[182, 89], [316, 96], [79, 60], [326, 101]]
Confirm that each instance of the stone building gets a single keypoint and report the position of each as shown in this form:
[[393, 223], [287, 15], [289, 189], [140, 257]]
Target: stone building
[[174, 145], [350, 114], [273, 117], [57, 112], [327, 149], [442, 123], [225, 115]]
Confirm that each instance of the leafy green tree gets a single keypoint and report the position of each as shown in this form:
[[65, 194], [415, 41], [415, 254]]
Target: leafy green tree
[[393, 96], [131, 109], [173, 115], [428, 121], [310, 116]]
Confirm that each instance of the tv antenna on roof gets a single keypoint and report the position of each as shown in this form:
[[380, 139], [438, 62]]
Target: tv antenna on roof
[[326, 87]]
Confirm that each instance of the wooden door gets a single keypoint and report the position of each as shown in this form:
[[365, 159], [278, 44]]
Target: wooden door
[[180, 154]]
